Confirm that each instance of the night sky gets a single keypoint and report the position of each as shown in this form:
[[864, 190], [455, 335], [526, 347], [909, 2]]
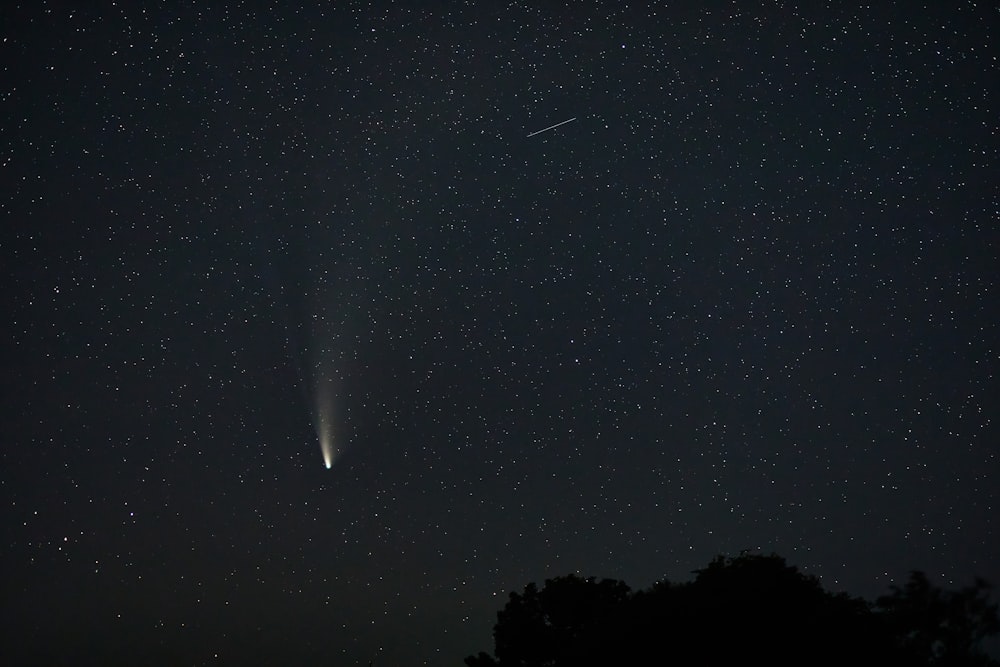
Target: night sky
[[749, 298]]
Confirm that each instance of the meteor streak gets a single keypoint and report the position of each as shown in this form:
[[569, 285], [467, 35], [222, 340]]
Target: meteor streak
[[552, 127]]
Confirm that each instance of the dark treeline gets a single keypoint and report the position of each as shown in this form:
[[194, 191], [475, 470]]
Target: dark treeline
[[751, 609]]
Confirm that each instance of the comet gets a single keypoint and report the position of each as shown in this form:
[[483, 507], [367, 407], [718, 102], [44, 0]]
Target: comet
[[552, 127], [327, 446], [324, 424]]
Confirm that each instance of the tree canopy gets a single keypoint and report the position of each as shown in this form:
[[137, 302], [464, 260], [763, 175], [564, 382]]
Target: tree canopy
[[752, 607]]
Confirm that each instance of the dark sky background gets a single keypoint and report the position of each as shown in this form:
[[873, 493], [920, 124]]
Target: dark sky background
[[747, 299]]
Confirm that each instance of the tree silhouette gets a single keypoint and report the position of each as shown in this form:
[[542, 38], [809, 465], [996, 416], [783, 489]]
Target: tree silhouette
[[750, 608], [941, 627], [557, 625]]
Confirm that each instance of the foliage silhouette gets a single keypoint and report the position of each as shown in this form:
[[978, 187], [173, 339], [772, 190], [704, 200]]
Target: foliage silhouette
[[742, 609]]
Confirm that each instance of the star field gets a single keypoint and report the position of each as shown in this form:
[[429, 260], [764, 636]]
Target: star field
[[748, 299]]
